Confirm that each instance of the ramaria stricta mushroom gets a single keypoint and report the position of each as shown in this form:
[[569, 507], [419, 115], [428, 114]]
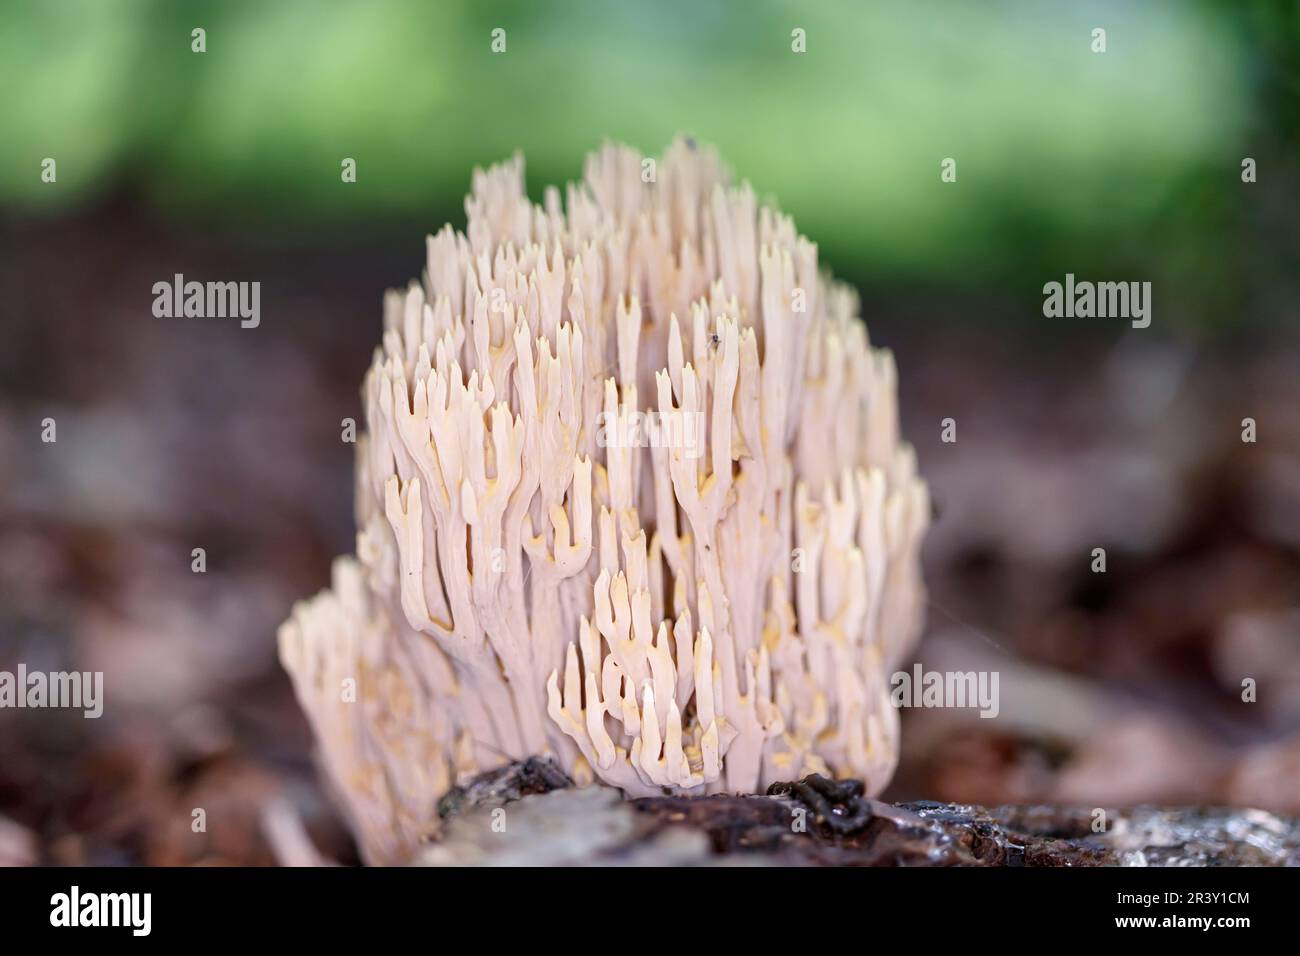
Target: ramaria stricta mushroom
[[632, 496]]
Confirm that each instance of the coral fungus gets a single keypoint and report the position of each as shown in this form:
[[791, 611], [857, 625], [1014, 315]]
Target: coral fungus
[[713, 607]]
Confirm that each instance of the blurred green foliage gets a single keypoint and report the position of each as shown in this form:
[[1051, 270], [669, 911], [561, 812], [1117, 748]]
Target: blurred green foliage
[[1068, 160]]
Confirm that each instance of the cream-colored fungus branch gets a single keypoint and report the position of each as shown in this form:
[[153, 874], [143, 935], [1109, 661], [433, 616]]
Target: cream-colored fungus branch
[[694, 616]]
